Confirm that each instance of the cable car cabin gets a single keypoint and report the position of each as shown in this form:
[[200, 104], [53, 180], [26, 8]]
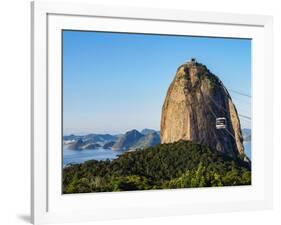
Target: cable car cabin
[[221, 123]]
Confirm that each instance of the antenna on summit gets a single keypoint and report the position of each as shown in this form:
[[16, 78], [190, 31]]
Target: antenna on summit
[[192, 61]]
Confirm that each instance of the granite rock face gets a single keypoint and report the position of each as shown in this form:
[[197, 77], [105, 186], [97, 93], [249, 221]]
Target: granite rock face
[[194, 100]]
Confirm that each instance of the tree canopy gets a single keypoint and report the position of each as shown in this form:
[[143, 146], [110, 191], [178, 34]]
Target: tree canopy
[[182, 164]]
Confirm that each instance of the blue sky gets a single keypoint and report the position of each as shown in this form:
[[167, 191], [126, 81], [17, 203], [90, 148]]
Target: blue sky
[[115, 82]]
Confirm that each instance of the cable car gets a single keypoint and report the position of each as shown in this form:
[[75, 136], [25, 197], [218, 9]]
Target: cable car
[[221, 123]]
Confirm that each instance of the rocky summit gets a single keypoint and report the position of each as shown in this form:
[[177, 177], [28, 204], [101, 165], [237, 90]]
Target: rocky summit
[[199, 108]]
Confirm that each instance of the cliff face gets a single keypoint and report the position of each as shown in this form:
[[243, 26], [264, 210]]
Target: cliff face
[[194, 100]]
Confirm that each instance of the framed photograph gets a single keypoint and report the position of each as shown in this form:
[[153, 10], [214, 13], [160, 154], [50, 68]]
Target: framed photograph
[[140, 112]]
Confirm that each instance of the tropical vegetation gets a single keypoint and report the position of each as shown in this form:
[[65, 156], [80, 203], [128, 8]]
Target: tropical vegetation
[[182, 164]]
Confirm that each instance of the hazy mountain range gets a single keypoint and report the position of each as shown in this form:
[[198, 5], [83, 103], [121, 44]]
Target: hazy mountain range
[[131, 140], [247, 134]]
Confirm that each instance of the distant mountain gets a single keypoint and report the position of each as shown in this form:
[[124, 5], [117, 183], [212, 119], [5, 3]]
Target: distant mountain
[[72, 137], [108, 145], [147, 131], [91, 137], [76, 145], [247, 134], [131, 140], [127, 140], [89, 141], [91, 146], [150, 139], [100, 137], [248, 138]]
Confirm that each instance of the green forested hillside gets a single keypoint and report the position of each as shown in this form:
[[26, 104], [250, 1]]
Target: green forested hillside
[[183, 164]]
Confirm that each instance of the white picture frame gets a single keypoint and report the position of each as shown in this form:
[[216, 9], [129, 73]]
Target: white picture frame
[[48, 205]]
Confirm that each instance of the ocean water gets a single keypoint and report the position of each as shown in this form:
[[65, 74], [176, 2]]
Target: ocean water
[[80, 156]]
